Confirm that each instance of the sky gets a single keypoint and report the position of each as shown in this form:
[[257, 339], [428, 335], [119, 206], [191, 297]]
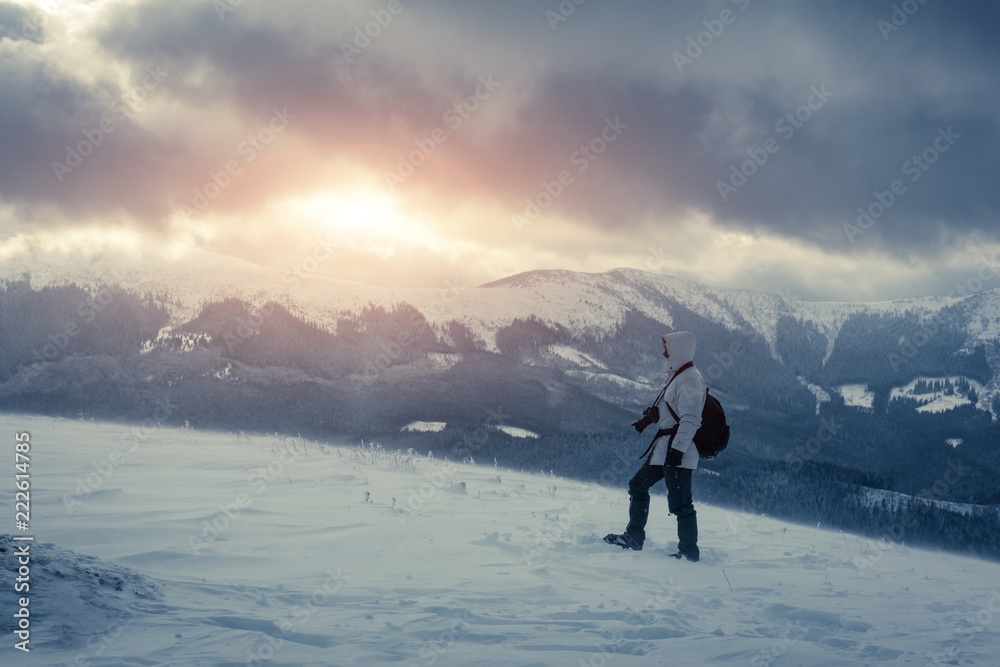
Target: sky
[[817, 149]]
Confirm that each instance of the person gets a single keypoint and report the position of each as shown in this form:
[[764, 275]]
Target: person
[[672, 456]]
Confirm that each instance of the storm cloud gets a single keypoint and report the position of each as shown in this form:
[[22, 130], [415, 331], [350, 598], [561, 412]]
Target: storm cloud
[[773, 118]]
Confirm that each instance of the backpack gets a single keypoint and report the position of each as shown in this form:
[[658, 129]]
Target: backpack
[[713, 434]]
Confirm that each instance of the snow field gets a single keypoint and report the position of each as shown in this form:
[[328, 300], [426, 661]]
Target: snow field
[[425, 427], [939, 401], [857, 395], [268, 550]]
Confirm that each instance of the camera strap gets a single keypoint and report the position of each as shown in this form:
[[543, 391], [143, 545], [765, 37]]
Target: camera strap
[[659, 434], [672, 377], [668, 431]]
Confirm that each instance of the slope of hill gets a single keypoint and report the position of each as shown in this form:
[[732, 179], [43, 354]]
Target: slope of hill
[[267, 550]]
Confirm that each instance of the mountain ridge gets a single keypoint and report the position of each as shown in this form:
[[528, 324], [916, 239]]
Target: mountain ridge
[[570, 357]]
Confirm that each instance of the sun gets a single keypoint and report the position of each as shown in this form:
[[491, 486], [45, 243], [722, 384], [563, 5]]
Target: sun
[[358, 212]]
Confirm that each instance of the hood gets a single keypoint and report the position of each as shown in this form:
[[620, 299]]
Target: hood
[[680, 344]]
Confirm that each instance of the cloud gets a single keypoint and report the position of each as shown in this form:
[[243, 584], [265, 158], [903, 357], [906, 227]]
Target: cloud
[[18, 22], [778, 121]]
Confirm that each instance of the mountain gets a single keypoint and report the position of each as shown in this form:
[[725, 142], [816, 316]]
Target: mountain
[[543, 369], [192, 547]]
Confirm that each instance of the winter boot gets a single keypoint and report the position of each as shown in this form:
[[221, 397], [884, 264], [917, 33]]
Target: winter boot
[[625, 541]]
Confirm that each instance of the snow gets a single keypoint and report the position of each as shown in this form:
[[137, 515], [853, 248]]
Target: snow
[[583, 303], [857, 395], [939, 401], [612, 382], [183, 547], [577, 357], [821, 394], [944, 403], [441, 361], [425, 427], [516, 432]]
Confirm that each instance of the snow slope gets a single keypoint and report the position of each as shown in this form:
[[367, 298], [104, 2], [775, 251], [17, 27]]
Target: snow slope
[[263, 550]]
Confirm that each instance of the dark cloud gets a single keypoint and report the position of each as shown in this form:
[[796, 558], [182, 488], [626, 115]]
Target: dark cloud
[[892, 91], [48, 119], [687, 133]]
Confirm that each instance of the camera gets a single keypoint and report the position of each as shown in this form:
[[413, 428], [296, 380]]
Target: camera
[[650, 415]]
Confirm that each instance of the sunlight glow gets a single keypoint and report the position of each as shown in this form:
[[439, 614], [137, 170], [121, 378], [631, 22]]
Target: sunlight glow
[[353, 212]]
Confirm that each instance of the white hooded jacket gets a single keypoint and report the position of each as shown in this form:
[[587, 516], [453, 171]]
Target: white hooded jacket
[[686, 395]]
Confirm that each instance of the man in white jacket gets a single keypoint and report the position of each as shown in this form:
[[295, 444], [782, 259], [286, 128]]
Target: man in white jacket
[[672, 456]]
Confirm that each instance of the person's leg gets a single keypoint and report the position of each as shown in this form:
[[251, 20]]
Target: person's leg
[[638, 508], [682, 506]]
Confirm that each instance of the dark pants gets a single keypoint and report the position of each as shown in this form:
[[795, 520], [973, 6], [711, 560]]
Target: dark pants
[[679, 501]]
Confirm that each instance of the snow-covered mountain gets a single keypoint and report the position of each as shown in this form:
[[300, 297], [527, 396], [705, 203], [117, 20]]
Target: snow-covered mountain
[[582, 304], [544, 369], [579, 302], [185, 547]]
